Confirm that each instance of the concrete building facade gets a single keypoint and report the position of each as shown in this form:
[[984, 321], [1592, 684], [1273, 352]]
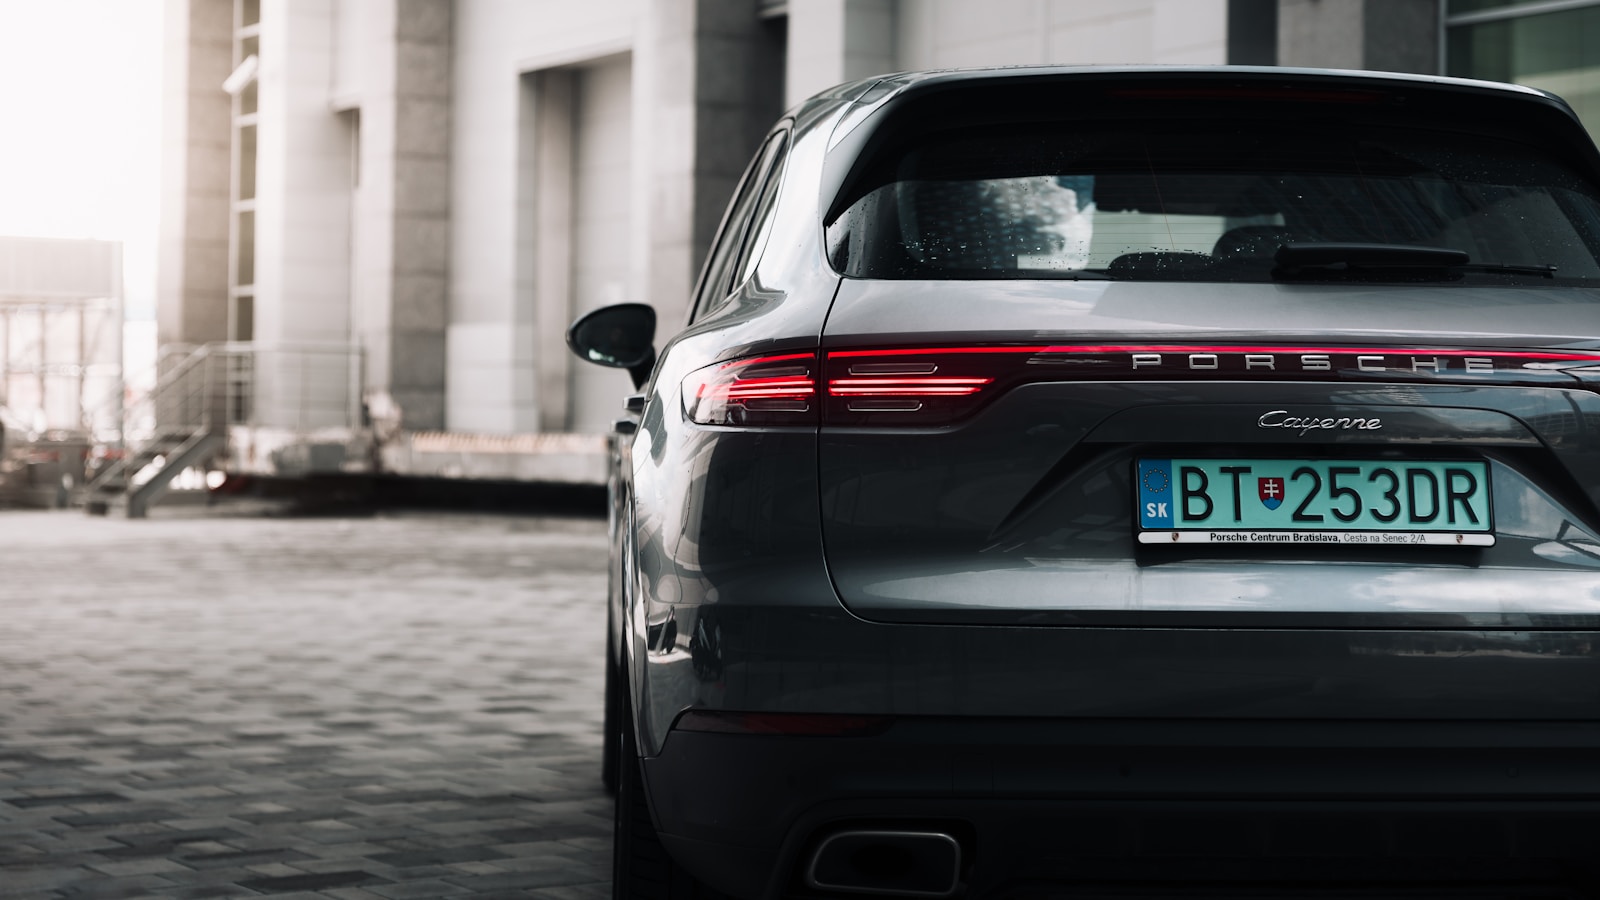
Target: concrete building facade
[[441, 186], [61, 305]]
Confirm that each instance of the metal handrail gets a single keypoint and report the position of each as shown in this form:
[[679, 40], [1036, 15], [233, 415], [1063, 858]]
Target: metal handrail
[[226, 383]]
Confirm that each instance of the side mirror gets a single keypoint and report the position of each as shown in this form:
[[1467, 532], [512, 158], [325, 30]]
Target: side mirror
[[619, 336]]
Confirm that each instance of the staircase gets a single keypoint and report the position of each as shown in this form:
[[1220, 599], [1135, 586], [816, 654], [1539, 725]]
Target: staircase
[[181, 424]]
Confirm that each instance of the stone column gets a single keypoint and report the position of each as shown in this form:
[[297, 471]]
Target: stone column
[[304, 178], [402, 207], [704, 96], [1382, 35], [421, 190], [192, 278], [834, 41]]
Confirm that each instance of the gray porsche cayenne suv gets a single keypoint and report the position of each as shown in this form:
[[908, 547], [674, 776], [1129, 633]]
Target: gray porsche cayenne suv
[[1121, 482]]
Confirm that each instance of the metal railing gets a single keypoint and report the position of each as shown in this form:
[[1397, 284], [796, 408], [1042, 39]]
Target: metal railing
[[302, 387], [294, 386], [202, 391]]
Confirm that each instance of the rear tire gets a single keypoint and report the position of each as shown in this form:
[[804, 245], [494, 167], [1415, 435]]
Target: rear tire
[[641, 868]]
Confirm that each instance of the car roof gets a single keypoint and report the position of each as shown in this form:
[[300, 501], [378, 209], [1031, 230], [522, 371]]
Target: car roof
[[850, 113], [879, 90], [1278, 73]]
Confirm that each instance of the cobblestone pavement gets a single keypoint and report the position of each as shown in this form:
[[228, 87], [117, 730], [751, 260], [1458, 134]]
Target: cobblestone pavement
[[396, 707]]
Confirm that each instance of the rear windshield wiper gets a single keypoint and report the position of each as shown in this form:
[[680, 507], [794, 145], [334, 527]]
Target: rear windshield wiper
[[1296, 258]]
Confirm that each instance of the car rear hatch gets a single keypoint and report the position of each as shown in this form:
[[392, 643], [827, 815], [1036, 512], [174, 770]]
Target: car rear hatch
[[1205, 472], [1216, 353]]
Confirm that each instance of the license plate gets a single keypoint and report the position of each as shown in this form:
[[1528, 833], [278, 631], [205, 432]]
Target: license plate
[[1314, 501]]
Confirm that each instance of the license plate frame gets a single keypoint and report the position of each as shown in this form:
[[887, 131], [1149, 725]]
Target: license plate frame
[[1326, 501]]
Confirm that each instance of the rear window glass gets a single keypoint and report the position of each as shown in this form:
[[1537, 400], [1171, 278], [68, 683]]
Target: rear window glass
[[1209, 201]]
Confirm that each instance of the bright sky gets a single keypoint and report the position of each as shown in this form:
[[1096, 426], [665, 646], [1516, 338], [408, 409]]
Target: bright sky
[[80, 127]]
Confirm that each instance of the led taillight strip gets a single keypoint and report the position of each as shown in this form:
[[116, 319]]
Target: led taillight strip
[[769, 388], [762, 390], [1536, 355], [906, 387], [934, 385], [872, 381], [933, 351], [1082, 349]]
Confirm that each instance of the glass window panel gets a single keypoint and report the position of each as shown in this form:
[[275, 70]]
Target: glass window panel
[[719, 267], [1133, 202], [245, 263], [247, 162]]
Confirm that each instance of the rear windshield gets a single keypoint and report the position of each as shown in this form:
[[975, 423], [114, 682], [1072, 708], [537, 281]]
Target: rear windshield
[[1213, 200]]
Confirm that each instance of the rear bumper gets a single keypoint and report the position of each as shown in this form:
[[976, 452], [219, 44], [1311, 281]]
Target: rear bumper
[[1157, 803]]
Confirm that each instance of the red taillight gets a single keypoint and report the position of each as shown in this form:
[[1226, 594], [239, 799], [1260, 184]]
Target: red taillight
[[764, 390], [913, 386], [797, 724], [937, 386], [910, 386]]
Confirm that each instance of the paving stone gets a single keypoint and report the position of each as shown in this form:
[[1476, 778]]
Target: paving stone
[[64, 800], [117, 888], [535, 878], [310, 881], [453, 855], [311, 708], [139, 867], [572, 892], [30, 878], [353, 894], [232, 858], [545, 850], [214, 832], [413, 797], [416, 890], [476, 868], [206, 892]]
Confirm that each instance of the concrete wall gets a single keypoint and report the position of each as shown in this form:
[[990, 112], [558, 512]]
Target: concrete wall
[[1402, 36], [391, 88], [418, 298], [737, 98], [1323, 33], [303, 201], [832, 41], [546, 146], [192, 269], [575, 223], [1384, 35], [707, 85], [491, 329], [601, 182], [538, 100], [940, 33]]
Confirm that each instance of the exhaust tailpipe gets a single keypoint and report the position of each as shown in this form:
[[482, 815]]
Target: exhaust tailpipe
[[897, 863]]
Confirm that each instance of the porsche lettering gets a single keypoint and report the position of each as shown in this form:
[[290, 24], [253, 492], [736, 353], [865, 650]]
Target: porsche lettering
[[1312, 362]]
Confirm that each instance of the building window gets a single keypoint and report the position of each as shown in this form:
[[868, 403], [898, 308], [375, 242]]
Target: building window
[[242, 85], [1553, 45]]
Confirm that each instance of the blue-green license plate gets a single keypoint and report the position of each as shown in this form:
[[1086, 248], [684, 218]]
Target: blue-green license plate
[[1314, 501]]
